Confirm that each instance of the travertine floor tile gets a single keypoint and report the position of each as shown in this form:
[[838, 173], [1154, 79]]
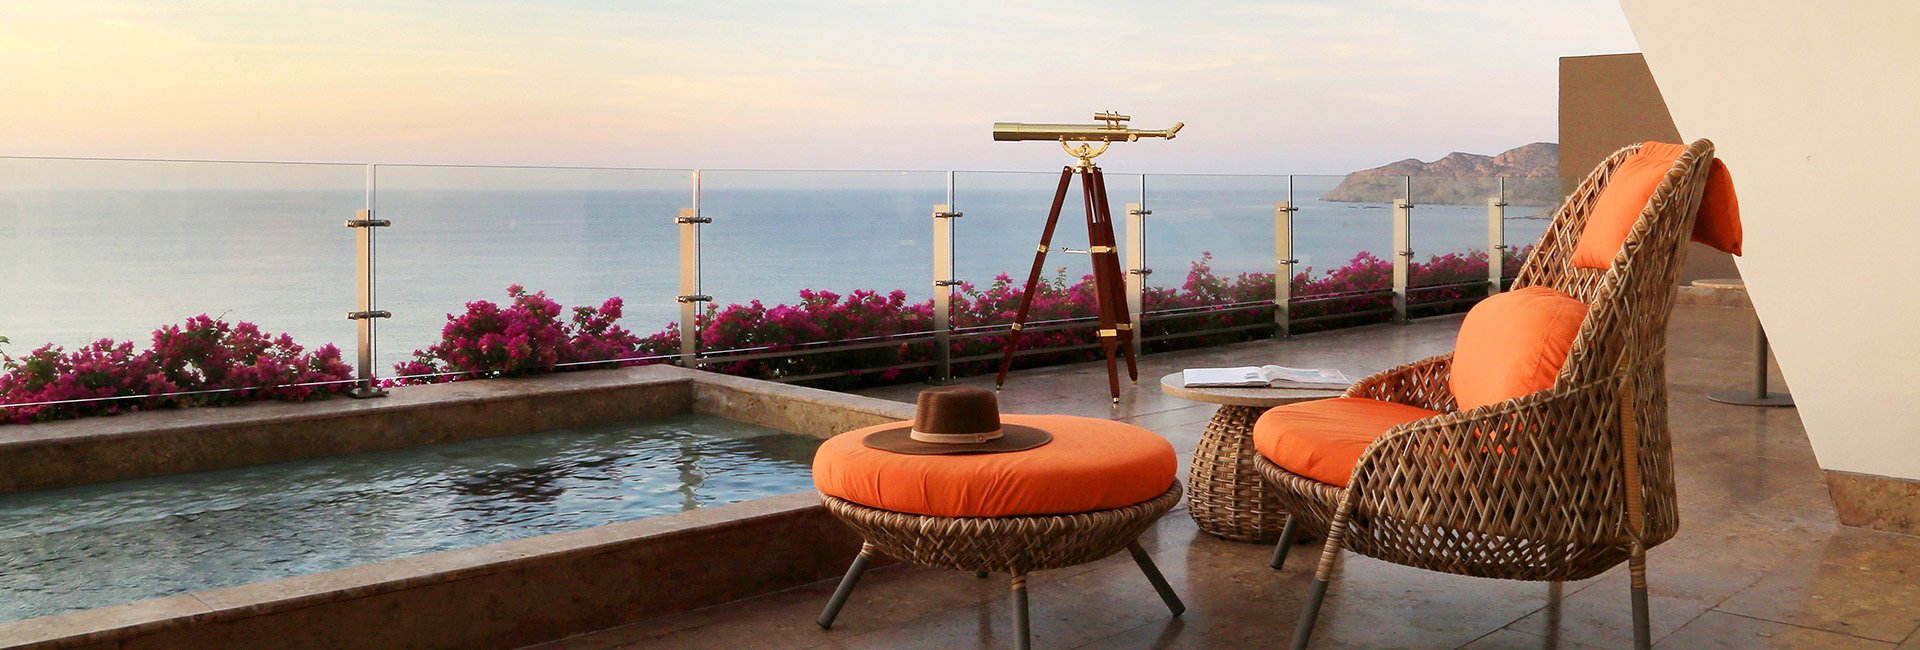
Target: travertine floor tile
[[1722, 630], [1862, 583]]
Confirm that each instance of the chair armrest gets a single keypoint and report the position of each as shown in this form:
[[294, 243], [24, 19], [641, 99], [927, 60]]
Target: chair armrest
[[1422, 383], [1544, 466]]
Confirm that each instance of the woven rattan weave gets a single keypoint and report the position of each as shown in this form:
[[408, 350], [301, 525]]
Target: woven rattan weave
[[1013, 545], [1016, 545], [1226, 494]]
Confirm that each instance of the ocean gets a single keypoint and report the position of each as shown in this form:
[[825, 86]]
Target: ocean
[[115, 249]]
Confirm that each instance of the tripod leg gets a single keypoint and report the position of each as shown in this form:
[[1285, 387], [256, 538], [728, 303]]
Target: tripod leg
[[1033, 277], [1099, 252], [1116, 285]]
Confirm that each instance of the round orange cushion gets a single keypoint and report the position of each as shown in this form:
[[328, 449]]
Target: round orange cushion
[[1323, 439], [1090, 465]]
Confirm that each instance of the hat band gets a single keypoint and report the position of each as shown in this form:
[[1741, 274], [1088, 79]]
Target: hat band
[[953, 438]]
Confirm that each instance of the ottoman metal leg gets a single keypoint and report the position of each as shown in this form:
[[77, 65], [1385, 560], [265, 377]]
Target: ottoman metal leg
[[839, 598], [1159, 581], [1022, 629]]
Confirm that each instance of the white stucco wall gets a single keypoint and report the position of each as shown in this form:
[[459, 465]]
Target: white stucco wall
[[1815, 106]]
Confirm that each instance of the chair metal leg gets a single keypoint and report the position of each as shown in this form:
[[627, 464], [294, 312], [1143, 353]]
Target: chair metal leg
[[1322, 575], [1305, 630], [1280, 549], [1642, 634], [1022, 628], [1637, 570], [1159, 581], [839, 598]]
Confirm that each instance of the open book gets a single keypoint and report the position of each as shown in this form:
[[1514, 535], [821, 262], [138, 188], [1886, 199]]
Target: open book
[[1266, 376]]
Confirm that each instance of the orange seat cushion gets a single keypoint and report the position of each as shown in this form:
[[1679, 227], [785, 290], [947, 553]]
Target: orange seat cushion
[[1090, 465], [1619, 205], [1323, 439], [1513, 344]]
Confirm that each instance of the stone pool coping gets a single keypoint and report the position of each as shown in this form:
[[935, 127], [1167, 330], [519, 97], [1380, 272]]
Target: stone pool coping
[[153, 443], [507, 594]]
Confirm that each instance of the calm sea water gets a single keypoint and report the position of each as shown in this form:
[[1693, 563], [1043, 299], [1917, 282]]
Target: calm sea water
[[81, 263], [97, 545]]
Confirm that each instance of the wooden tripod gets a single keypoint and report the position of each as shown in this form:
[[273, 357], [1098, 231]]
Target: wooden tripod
[[1109, 284]]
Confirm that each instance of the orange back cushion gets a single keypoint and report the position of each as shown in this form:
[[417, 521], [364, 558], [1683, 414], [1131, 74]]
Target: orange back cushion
[[1620, 202], [1513, 344]]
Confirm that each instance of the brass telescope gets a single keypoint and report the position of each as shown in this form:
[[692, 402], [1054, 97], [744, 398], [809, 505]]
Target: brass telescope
[[1109, 281], [1112, 128]]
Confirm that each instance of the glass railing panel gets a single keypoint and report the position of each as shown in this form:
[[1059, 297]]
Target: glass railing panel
[[1007, 214], [1210, 245], [1343, 239], [994, 246], [463, 236], [1449, 223], [115, 250], [1531, 205], [805, 260]]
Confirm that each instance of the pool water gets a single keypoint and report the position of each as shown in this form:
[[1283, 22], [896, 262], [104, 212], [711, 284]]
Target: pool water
[[95, 545]]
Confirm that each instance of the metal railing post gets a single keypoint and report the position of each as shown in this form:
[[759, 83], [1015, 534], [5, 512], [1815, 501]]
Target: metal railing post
[[1137, 270], [1402, 255], [1284, 263], [364, 226], [690, 297], [1496, 239], [943, 284]]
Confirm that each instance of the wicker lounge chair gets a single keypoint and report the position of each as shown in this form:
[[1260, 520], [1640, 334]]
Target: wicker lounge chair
[[1557, 485]]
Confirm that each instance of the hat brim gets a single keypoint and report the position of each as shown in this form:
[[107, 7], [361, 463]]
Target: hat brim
[[1013, 437]]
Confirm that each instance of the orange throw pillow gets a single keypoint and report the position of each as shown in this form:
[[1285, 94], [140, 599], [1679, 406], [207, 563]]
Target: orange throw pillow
[[1619, 205], [1513, 344]]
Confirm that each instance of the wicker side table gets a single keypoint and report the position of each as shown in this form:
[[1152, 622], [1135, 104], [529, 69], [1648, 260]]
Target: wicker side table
[[1226, 496]]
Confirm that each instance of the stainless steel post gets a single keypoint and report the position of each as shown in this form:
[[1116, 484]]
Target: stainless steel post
[[1402, 255], [1137, 270], [943, 284], [1496, 239], [363, 225], [690, 297], [364, 274], [1284, 263]]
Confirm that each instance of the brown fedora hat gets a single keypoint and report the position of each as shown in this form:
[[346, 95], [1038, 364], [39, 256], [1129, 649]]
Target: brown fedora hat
[[957, 420]]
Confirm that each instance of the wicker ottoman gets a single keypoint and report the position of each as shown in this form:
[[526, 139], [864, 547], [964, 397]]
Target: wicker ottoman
[[1015, 544]]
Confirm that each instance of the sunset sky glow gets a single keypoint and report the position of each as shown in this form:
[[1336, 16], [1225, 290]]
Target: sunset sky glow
[[1321, 87]]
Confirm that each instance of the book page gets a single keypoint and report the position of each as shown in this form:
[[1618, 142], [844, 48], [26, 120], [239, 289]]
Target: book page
[[1243, 376], [1282, 376]]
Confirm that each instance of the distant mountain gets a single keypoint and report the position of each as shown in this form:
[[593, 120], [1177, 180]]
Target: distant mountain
[[1460, 178]]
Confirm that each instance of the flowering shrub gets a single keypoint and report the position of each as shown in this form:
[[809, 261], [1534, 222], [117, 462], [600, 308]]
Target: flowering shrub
[[749, 339], [524, 337], [204, 361]]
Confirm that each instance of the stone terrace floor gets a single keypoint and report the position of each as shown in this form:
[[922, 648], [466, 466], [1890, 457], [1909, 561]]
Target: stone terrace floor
[[1759, 561]]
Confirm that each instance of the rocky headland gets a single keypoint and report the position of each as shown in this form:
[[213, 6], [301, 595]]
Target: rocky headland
[[1460, 178]]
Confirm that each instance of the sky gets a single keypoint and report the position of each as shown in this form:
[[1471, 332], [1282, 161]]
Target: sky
[[1263, 87]]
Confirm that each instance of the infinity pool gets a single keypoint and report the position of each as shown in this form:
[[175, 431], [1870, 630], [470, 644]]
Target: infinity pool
[[90, 546]]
